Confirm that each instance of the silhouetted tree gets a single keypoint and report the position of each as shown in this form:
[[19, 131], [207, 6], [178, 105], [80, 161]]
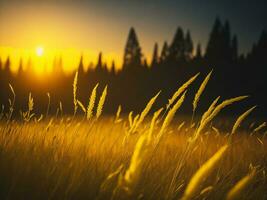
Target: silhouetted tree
[[261, 46], [164, 52], [234, 48], [20, 69], [226, 41], [113, 67], [99, 62], [221, 47], [258, 52], [80, 66], [7, 64], [132, 52], [105, 66], [189, 47], [198, 51], [213, 47], [155, 58], [140, 83], [177, 47], [145, 64]]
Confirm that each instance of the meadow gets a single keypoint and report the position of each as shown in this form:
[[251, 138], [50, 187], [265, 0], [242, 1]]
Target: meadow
[[154, 154]]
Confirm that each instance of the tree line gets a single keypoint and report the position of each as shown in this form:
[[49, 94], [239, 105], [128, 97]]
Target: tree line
[[233, 74]]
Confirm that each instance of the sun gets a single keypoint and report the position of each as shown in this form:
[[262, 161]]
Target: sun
[[39, 51]]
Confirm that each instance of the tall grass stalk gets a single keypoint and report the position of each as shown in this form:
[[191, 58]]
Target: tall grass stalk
[[12, 103], [75, 103], [239, 188], [48, 104], [260, 127], [133, 173], [130, 119], [91, 103], [153, 122], [241, 118], [181, 90], [210, 109], [199, 93], [170, 116], [61, 108], [140, 155], [81, 106], [101, 102], [118, 113], [214, 113], [194, 186], [144, 113]]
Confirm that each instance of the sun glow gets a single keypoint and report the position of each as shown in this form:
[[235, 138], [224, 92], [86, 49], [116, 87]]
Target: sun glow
[[39, 51], [44, 60]]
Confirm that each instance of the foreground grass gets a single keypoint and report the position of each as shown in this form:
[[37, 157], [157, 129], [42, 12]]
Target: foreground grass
[[66, 159], [132, 157]]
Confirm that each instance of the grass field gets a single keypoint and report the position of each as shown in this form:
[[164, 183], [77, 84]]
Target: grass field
[[142, 156]]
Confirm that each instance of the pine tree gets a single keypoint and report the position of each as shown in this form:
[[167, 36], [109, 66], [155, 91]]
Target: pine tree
[[20, 69], [164, 52], [226, 49], [227, 33], [7, 64], [177, 47], [234, 47], [198, 51], [113, 67], [259, 49], [99, 64], [132, 52], [80, 67], [214, 43], [262, 43], [145, 64], [188, 46], [1, 65], [6, 71], [155, 59]]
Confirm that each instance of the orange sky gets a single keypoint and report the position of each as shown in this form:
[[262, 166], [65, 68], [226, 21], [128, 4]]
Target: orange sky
[[57, 31], [61, 30], [42, 58], [94, 26]]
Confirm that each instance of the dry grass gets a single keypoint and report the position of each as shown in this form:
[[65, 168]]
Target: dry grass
[[71, 159], [120, 157]]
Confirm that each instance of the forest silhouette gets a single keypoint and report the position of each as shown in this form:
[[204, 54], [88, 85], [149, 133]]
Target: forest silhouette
[[137, 81]]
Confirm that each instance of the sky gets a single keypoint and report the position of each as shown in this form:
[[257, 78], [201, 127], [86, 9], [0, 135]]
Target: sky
[[103, 25]]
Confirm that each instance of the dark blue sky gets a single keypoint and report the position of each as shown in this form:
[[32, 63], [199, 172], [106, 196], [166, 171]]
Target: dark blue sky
[[161, 17], [104, 24]]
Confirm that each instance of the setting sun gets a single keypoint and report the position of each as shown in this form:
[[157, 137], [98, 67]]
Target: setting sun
[[39, 51]]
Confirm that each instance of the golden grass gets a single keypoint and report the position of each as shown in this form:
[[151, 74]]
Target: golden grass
[[75, 103], [194, 185], [241, 118], [170, 116], [143, 114], [91, 103], [260, 127], [213, 113], [200, 91], [237, 191], [181, 90], [101, 102], [68, 158]]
